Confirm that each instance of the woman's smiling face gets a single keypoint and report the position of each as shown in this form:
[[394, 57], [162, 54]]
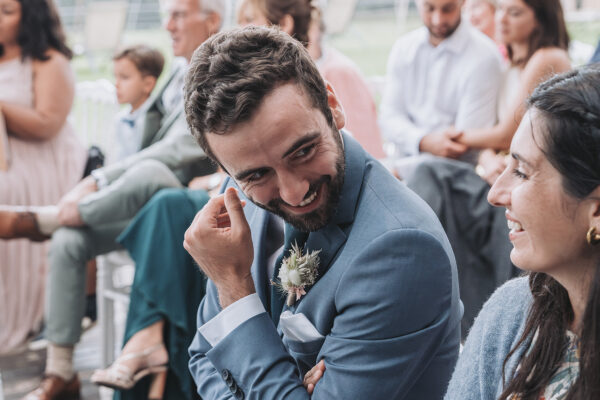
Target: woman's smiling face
[[547, 225]]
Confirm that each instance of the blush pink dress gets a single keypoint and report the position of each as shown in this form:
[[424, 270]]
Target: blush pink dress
[[356, 98], [39, 173]]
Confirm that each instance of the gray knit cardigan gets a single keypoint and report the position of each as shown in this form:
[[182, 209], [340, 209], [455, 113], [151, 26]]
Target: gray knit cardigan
[[497, 329]]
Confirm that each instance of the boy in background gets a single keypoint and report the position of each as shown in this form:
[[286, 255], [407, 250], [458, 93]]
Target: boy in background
[[136, 70]]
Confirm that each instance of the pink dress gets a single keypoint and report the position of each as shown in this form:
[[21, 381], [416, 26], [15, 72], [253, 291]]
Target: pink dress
[[39, 173], [356, 98]]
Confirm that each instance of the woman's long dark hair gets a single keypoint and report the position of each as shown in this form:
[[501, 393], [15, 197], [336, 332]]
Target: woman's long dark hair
[[40, 30], [551, 30], [569, 106], [299, 10]]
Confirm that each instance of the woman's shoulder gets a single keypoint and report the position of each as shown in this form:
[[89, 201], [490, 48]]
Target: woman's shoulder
[[496, 330], [56, 65], [554, 57], [54, 58], [510, 298], [504, 313]]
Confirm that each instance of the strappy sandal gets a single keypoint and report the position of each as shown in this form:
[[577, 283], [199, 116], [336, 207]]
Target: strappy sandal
[[119, 376]]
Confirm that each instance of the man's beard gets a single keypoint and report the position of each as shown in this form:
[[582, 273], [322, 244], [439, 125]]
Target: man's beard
[[318, 218], [446, 33]]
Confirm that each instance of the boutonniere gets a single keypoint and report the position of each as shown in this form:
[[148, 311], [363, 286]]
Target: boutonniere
[[297, 271]]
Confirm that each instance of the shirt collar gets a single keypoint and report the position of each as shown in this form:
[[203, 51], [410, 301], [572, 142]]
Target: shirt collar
[[131, 117], [458, 40]]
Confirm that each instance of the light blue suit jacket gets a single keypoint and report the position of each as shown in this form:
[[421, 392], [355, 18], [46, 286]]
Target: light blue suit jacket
[[386, 302]]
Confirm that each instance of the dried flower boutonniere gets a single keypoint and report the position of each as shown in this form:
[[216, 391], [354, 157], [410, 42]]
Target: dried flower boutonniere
[[297, 271]]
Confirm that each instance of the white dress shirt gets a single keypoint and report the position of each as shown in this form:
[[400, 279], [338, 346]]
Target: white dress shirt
[[431, 88], [129, 129]]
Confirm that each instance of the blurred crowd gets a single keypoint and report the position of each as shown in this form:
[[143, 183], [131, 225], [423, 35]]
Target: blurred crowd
[[458, 91]]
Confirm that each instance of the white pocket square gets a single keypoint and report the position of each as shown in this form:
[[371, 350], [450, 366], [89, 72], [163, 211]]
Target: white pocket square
[[297, 327]]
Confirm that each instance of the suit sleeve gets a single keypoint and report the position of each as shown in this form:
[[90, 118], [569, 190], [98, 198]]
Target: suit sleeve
[[176, 150], [209, 381], [393, 311]]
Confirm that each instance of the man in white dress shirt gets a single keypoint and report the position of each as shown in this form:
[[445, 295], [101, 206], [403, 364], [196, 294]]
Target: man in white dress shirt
[[441, 78]]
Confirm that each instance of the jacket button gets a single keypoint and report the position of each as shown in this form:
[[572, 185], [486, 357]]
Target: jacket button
[[239, 395], [226, 375]]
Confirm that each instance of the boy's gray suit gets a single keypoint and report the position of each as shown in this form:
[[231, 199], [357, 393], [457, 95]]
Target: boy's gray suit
[[386, 304], [170, 158]]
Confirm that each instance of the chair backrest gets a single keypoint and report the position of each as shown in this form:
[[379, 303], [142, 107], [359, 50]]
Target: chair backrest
[[104, 25], [93, 113], [338, 14]]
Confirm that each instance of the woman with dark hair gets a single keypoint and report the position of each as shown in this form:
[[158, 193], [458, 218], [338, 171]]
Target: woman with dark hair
[[537, 337], [45, 157], [536, 39], [292, 16]]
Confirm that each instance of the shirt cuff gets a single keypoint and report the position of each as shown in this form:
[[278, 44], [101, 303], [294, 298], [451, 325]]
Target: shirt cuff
[[230, 318], [100, 178], [415, 141]]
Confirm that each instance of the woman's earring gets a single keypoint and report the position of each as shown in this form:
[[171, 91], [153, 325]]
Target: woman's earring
[[592, 236]]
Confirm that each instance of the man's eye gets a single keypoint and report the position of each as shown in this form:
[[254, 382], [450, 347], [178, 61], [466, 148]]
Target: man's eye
[[305, 151], [256, 176]]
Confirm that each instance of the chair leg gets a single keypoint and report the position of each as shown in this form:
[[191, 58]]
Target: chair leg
[[105, 312]]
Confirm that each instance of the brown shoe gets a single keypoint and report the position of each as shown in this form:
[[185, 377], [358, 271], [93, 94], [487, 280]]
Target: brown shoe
[[19, 225], [54, 388]]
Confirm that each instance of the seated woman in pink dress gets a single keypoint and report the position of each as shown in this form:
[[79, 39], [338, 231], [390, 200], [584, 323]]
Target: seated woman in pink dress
[[45, 157]]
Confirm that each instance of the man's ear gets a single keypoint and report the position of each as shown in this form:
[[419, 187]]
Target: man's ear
[[339, 117], [286, 23], [213, 21], [148, 83]]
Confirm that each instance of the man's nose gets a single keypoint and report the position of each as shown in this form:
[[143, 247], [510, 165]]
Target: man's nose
[[293, 189], [170, 23]]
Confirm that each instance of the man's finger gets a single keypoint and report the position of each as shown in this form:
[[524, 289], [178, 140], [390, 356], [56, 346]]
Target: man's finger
[[235, 208], [223, 221]]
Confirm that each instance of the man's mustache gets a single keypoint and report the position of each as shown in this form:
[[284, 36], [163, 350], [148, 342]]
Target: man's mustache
[[276, 203]]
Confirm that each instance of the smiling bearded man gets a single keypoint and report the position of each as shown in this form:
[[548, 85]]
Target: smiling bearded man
[[371, 285]]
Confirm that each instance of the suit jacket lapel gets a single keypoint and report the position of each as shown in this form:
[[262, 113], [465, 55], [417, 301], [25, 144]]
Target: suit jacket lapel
[[166, 124], [153, 122], [258, 221]]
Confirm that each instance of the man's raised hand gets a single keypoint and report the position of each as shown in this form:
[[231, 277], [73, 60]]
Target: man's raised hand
[[219, 240]]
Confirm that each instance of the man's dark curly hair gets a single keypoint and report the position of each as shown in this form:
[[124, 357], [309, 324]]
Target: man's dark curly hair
[[40, 30], [232, 72]]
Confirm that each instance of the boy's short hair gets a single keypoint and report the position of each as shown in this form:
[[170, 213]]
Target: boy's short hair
[[148, 60]]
